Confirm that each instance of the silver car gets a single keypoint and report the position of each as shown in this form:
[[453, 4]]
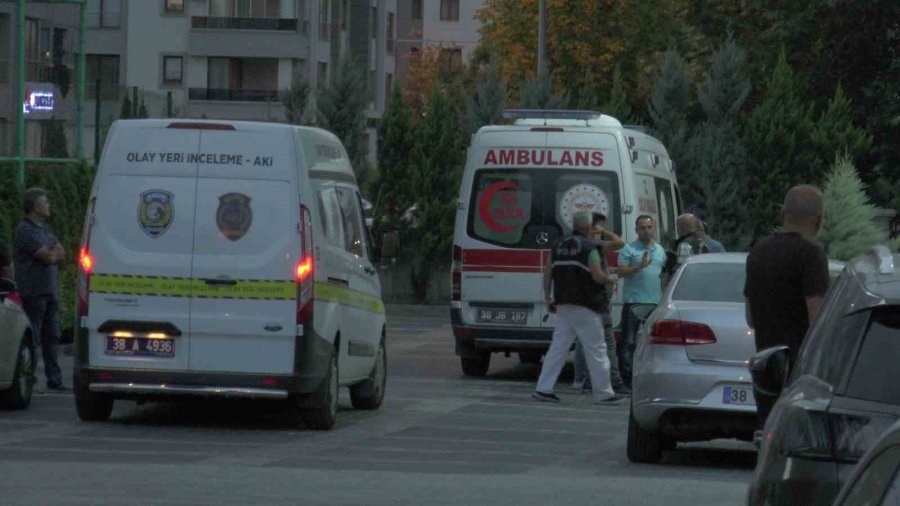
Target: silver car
[[691, 381], [17, 350]]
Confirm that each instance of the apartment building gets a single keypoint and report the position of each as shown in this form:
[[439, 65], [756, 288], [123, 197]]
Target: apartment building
[[230, 59], [447, 24], [50, 33]]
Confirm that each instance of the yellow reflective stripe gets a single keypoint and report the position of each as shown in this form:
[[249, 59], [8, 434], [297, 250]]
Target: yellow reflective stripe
[[343, 295], [186, 287]]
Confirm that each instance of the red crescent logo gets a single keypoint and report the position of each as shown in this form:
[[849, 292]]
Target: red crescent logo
[[485, 202]]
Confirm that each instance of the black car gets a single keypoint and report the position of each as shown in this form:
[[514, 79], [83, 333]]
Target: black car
[[876, 481], [841, 395]]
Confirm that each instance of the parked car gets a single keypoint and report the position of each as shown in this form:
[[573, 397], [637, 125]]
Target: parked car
[[876, 480], [842, 393], [17, 350], [690, 380]]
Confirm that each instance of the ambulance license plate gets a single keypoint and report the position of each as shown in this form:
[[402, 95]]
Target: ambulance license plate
[[495, 315], [140, 346]]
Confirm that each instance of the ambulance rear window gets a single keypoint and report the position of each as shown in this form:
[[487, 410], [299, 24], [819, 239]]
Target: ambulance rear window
[[532, 208]]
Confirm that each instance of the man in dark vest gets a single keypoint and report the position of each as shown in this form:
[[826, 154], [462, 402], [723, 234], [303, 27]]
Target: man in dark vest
[[573, 274]]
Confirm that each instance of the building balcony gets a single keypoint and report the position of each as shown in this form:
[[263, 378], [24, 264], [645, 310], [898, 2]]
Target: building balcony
[[233, 95], [219, 23]]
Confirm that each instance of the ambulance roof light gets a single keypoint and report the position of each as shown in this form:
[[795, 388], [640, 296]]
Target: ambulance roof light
[[550, 114]]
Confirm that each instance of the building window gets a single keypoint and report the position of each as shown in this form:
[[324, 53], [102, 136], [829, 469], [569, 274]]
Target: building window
[[345, 14], [449, 10], [105, 68], [324, 10], [103, 13], [373, 23], [450, 59], [175, 6], [259, 9], [388, 88], [322, 72], [173, 69], [417, 10], [373, 85], [32, 50], [390, 33]]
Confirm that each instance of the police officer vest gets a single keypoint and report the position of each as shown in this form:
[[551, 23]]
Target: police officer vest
[[572, 279]]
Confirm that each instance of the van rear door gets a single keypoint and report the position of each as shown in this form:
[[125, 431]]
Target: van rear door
[[245, 250], [141, 246]]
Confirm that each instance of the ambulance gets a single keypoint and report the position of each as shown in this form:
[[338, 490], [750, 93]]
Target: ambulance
[[521, 185], [227, 259]]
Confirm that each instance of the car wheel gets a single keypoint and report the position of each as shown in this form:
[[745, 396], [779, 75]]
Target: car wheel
[[94, 408], [369, 393], [18, 395], [530, 357], [476, 365], [323, 416], [643, 445]]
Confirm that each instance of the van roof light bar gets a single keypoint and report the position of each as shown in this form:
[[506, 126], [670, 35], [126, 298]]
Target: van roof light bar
[[550, 114]]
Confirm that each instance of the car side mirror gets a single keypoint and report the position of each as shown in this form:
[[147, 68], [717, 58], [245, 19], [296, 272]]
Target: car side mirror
[[769, 369], [390, 243], [642, 311]]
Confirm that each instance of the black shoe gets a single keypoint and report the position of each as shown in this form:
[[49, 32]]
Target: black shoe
[[611, 401], [622, 389], [541, 396], [587, 388]]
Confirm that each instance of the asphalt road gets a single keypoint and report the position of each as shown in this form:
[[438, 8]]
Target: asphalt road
[[439, 438]]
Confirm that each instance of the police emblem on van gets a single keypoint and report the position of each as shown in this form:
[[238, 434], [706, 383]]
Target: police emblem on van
[[234, 215], [156, 212]]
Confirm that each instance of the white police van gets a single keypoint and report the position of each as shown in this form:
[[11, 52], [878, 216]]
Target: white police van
[[227, 259], [521, 185]]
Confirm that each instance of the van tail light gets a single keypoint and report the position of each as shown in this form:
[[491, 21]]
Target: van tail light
[[456, 275], [86, 266], [304, 271], [681, 333]]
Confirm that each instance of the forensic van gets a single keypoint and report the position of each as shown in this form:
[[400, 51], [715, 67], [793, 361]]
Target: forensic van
[[521, 185], [227, 259]]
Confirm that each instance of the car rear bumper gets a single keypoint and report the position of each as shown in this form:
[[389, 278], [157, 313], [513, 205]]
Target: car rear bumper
[[473, 338]]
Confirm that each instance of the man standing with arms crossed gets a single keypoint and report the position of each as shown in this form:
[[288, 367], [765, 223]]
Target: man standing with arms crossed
[[573, 274], [640, 264], [37, 254]]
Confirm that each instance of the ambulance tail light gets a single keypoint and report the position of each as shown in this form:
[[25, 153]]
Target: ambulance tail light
[[456, 275], [304, 271], [85, 266]]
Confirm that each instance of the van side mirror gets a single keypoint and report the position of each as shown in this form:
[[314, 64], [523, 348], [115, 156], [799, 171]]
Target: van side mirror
[[769, 369], [390, 243], [642, 311]]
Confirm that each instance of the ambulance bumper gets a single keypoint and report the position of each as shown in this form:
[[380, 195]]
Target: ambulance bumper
[[497, 338]]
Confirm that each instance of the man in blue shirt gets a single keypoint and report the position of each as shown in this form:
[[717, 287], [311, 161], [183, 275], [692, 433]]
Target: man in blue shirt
[[640, 264]]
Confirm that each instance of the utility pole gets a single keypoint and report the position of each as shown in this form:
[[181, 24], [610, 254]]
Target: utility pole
[[542, 38]]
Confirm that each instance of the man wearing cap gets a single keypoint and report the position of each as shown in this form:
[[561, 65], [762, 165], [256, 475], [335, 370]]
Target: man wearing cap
[[573, 275]]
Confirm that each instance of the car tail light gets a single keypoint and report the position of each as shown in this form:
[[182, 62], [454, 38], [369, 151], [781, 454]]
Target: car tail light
[[681, 333], [304, 272], [804, 433], [86, 266], [456, 275]]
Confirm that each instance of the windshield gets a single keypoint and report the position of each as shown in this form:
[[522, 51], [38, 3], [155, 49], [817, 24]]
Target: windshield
[[528, 208], [711, 282]]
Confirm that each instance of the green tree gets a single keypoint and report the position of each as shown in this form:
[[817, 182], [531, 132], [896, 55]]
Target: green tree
[[341, 109], [295, 99], [127, 110], [777, 133], [439, 157], [585, 96], [848, 229], [836, 133], [617, 106], [142, 111], [486, 106], [669, 109], [55, 143], [717, 152], [538, 94], [395, 153]]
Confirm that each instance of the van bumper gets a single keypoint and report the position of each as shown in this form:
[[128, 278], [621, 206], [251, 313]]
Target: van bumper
[[470, 339]]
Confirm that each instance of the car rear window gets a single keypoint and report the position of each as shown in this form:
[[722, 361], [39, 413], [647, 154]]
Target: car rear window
[[875, 375], [711, 282]]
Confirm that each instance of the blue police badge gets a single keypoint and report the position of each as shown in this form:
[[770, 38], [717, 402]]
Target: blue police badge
[[156, 212], [234, 215]]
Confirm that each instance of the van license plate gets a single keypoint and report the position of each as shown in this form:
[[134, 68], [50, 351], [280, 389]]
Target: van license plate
[[738, 395], [493, 315], [140, 346]]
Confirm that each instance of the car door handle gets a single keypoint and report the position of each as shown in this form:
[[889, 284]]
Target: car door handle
[[370, 271], [220, 282], [273, 328]]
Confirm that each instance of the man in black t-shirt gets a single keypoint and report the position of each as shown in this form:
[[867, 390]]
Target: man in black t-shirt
[[787, 275]]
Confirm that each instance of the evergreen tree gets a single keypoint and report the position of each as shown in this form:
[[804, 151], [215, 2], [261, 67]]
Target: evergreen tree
[[486, 107], [668, 109], [719, 158], [617, 106], [55, 143], [586, 98], [142, 111], [848, 229], [295, 99], [438, 160], [538, 94], [777, 133], [127, 111], [835, 133], [395, 150], [342, 110]]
